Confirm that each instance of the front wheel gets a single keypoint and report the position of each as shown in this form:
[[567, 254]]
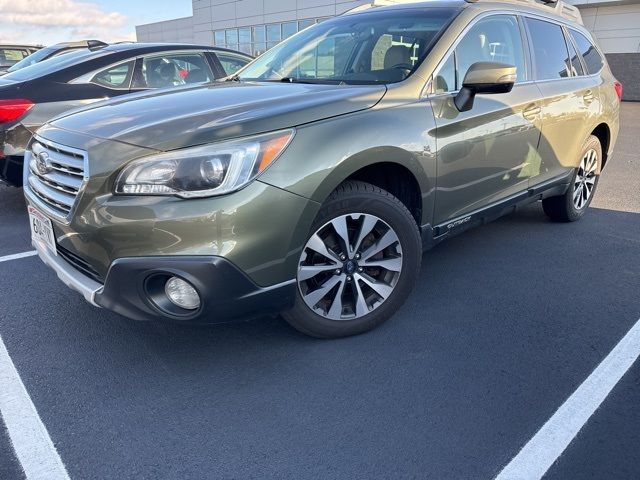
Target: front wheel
[[574, 203], [358, 265]]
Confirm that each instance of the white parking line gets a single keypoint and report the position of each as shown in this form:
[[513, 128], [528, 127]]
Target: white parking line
[[18, 256], [539, 454], [29, 437]]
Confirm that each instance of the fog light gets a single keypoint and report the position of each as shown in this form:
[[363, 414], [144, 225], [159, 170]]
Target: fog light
[[182, 293]]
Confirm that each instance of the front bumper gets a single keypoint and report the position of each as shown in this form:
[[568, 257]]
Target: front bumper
[[226, 293], [71, 277]]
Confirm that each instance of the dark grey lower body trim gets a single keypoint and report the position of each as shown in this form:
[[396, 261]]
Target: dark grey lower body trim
[[227, 293], [432, 235]]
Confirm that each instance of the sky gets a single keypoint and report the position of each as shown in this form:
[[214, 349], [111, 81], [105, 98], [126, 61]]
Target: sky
[[44, 22]]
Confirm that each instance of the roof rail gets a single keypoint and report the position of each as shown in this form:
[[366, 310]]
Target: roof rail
[[379, 3], [557, 7]]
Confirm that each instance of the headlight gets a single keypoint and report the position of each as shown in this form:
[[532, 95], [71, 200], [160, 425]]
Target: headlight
[[203, 171]]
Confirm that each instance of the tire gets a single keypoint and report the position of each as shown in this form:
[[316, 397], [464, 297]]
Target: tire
[[571, 206], [365, 287]]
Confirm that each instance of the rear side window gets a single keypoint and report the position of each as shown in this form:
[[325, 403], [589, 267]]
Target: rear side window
[[173, 69], [551, 57], [589, 52]]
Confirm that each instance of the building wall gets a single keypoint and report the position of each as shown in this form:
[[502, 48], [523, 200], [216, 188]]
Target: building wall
[[179, 30], [240, 24], [617, 28]]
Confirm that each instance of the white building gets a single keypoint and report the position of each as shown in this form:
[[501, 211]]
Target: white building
[[253, 26]]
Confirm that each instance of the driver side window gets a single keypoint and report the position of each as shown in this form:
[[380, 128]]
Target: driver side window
[[493, 39]]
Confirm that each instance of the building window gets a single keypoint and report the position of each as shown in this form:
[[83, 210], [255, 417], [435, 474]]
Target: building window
[[232, 38], [259, 34], [258, 39], [219, 38], [289, 29], [274, 33], [302, 24], [244, 36]]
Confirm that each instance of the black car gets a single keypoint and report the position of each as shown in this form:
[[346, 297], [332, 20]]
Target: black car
[[53, 51], [34, 95], [13, 54]]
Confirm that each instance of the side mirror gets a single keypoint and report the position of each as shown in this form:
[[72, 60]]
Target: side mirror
[[485, 77]]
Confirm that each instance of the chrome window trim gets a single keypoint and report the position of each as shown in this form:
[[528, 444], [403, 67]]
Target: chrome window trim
[[33, 197], [571, 42], [87, 78]]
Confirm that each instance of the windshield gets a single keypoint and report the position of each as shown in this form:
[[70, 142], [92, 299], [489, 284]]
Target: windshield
[[33, 58], [369, 48], [51, 65]]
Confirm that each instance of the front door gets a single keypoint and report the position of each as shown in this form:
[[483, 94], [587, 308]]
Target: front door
[[488, 153]]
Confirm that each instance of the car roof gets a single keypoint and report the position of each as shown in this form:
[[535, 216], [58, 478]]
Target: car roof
[[153, 47], [559, 10]]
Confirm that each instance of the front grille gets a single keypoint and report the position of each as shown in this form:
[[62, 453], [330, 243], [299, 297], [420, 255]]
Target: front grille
[[79, 264], [56, 175]]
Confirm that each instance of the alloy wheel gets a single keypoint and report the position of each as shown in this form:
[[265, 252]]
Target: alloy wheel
[[349, 266], [585, 180]]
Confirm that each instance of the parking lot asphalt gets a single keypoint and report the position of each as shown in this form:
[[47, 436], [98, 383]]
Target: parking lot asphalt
[[506, 322]]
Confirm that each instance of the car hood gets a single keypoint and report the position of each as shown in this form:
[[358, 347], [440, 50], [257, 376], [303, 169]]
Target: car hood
[[183, 117]]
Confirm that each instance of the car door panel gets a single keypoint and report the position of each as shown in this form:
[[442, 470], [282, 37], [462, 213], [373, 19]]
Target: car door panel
[[568, 105], [485, 154]]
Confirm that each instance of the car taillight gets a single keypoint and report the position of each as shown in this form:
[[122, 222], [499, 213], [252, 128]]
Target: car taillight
[[11, 110], [618, 86]]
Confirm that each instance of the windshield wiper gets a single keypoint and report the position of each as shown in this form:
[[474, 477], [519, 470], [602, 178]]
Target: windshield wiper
[[294, 80], [312, 81], [233, 78]]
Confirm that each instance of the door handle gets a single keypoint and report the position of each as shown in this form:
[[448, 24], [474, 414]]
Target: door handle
[[531, 112]]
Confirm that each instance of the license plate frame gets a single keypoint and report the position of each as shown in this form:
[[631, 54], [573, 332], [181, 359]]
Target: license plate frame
[[42, 232]]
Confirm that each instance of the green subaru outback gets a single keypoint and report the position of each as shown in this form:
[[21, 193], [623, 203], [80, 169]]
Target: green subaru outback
[[310, 183]]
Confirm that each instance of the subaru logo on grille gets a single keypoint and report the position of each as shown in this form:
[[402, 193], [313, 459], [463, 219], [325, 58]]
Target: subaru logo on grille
[[42, 163]]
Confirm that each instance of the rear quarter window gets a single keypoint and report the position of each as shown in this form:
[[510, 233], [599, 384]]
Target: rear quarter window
[[592, 58], [231, 63], [115, 77]]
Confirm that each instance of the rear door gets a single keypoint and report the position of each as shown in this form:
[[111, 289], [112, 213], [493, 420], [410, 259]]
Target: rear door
[[570, 101], [486, 154], [171, 69]]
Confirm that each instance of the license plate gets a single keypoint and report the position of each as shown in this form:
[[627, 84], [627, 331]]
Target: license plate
[[42, 230]]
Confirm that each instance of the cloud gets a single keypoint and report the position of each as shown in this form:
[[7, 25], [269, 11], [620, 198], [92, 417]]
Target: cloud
[[58, 14], [50, 21]]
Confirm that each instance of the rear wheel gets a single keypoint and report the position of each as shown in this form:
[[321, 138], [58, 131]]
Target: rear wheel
[[573, 204], [358, 265]]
